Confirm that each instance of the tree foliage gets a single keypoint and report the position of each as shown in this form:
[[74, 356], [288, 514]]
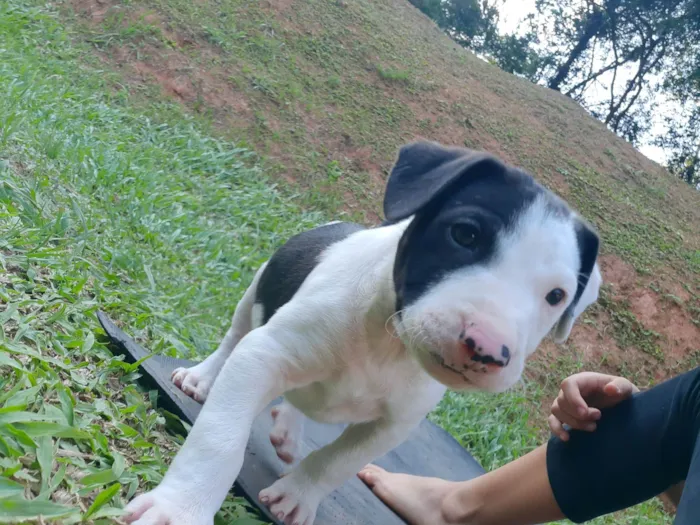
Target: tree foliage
[[617, 58], [634, 45], [469, 22], [682, 141]]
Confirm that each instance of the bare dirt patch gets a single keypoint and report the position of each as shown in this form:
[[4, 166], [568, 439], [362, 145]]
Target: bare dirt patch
[[93, 10], [620, 275], [661, 313], [279, 5], [180, 76], [664, 316]]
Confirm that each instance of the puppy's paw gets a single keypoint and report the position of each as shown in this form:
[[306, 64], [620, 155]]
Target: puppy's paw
[[285, 435], [195, 381], [291, 501], [156, 508]]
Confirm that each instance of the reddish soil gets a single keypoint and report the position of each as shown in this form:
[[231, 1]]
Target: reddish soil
[[666, 317]]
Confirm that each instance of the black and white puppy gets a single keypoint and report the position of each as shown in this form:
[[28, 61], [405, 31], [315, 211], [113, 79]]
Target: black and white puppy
[[475, 265]]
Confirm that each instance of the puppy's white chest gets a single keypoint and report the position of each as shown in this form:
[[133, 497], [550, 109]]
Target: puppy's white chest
[[337, 402], [355, 394]]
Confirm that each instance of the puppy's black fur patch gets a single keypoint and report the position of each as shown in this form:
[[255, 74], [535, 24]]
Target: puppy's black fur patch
[[490, 198], [292, 263], [445, 186], [588, 246]]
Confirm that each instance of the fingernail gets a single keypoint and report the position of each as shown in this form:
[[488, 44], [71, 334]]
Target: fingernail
[[264, 499]]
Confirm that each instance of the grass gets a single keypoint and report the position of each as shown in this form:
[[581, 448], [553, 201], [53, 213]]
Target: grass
[[394, 75], [300, 86], [105, 206], [348, 82], [113, 197]]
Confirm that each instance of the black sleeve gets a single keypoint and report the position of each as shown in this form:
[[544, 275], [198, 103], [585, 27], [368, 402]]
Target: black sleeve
[[641, 447]]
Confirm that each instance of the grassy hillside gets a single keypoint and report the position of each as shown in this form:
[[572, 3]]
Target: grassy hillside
[[152, 154], [327, 90]]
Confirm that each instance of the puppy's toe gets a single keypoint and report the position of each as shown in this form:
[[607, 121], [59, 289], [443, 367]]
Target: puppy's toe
[[270, 495], [286, 432], [197, 389], [159, 508], [287, 455], [195, 381], [178, 376], [290, 502], [277, 436], [303, 516], [284, 508]]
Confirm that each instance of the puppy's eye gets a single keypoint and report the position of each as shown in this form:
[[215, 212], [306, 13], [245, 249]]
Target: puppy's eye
[[555, 296], [465, 234]]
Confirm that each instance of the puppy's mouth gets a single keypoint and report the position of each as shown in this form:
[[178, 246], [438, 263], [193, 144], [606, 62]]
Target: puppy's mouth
[[441, 361]]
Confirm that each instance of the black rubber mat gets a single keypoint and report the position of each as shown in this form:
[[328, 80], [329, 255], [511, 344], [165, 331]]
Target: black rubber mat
[[428, 451]]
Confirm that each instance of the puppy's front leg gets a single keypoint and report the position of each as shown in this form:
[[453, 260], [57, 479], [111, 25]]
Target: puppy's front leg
[[208, 463], [295, 497], [198, 379]]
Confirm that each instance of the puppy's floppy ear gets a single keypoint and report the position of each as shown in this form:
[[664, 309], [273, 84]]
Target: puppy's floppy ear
[[423, 170], [589, 281]]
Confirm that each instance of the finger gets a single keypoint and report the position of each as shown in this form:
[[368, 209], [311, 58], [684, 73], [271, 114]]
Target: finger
[[593, 414], [565, 405], [620, 388], [591, 383], [572, 393], [573, 422], [557, 428]]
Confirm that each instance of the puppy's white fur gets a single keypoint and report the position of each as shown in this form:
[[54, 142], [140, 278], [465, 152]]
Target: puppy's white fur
[[340, 354], [540, 254]]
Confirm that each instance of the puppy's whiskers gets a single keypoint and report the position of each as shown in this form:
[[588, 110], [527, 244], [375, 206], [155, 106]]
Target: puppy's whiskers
[[392, 330]]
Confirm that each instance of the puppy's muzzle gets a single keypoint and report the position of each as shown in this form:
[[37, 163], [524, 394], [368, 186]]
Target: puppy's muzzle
[[485, 350]]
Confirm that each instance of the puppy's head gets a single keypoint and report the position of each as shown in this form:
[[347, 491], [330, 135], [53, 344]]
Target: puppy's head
[[490, 263]]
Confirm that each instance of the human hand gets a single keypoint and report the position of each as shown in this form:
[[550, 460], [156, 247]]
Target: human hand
[[582, 396]]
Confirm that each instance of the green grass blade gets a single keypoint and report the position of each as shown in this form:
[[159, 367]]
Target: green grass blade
[[102, 499]]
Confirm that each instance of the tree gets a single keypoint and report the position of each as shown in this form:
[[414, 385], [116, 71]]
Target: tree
[[614, 57], [586, 26], [474, 24], [462, 19], [434, 9], [516, 55], [633, 47], [682, 140]]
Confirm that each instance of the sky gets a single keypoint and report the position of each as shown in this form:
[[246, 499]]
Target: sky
[[514, 11]]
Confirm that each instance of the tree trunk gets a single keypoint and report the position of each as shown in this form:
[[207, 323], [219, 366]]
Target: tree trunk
[[593, 26]]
